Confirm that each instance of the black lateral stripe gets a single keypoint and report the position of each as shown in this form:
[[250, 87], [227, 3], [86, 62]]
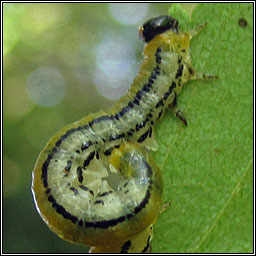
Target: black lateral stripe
[[79, 174], [139, 94], [80, 223], [101, 119], [126, 246], [69, 132], [45, 165], [158, 60], [44, 170], [152, 78], [158, 50], [105, 223], [157, 70], [146, 87], [143, 203], [136, 101], [124, 110], [117, 116], [130, 104], [61, 210], [89, 159], [154, 74], [129, 216]]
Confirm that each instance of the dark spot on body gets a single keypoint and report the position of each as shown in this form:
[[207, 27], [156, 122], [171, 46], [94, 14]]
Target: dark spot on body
[[143, 136], [160, 114], [79, 174], [86, 145], [191, 71], [89, 159], [74, 190], [86, 189], [179, 72], [68, 166], [105, 193], [99, 202]]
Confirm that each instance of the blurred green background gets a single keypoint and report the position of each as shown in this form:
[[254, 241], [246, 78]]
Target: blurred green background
[[61, 62]]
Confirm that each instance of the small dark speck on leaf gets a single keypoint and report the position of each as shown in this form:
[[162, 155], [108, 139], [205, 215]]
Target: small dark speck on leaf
[[242, 22]]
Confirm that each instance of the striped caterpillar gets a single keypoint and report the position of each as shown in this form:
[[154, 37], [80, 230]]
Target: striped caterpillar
[[95, 183]]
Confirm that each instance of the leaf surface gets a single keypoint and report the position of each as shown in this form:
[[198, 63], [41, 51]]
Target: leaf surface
[[208, 165]]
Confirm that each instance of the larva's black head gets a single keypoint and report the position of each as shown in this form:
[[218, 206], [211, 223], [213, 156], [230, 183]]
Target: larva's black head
[[157, 26]]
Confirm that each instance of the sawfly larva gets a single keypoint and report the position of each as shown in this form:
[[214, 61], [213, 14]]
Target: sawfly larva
[[95, 183]]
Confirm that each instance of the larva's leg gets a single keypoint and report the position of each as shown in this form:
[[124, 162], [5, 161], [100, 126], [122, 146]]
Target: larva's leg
[[164, 207], [196, 30], [194, 75], [199, 75], [177, 112]]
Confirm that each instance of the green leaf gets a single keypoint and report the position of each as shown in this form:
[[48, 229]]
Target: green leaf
[[208, 165]]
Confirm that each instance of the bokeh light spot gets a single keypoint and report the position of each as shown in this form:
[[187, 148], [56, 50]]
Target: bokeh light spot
[[16, 103], [40, 127], [11, 177], [128, 13], [115, 67], [46, 86]]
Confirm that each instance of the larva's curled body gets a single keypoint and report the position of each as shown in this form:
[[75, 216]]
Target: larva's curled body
[[95, 183]]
